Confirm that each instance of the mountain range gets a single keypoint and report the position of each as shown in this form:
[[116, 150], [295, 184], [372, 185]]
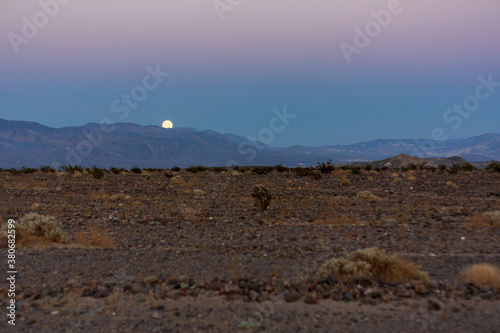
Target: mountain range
[[31, 144]]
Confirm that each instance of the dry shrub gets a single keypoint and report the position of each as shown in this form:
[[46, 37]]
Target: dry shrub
[[345, 182], [488, 219], [120, 197], [492, 218], [94, 237], [452, 184], [263, 197], [482, 275], [36, 229], [337, 220], [366, 195], [372, 263]]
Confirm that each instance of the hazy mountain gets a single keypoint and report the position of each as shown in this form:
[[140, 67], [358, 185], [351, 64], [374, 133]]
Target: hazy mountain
[[124, 145]]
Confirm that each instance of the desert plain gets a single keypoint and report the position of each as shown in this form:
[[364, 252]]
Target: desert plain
[[179, 251]]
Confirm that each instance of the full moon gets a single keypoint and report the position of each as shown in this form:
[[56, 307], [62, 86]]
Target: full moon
[[167, 124]]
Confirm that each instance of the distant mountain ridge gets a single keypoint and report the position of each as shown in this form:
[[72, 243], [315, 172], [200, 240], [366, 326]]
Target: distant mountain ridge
[[124, 144]]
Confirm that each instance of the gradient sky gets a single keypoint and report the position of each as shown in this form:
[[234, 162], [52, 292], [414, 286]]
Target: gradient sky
[[228, 75]]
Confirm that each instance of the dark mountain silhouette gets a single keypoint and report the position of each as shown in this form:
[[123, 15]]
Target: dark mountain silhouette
[[123, 145]]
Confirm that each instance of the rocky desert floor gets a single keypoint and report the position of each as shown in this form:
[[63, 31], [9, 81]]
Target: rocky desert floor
[[194, 253]]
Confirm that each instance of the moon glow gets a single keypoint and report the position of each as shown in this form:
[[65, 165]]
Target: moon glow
[[167, 124]]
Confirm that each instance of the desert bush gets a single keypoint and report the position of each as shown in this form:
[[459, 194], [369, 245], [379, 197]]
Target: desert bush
[[15, 172], [456, 168], [442, 167], [96, 172], [116, 171], [168, 175], [307, 172], [218, 169], [494, 166], [33, 228], [482, 275], [355, 170], [262, 196], [367, 167], [136, 169], [71, 168], [327, 167], [372, 263], [366, 195], [47, 169], [175, 168], [280, 168], [196, 168], [28, 170], [346, 182], [262, 170]]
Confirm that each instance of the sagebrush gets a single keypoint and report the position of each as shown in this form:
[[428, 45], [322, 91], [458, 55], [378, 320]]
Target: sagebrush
[[372, 263]]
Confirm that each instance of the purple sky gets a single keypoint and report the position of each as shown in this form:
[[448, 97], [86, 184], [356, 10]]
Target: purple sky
[[228, 75]]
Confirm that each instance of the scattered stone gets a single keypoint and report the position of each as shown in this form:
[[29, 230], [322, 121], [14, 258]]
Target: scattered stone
[[420, 288], [434, 305], [291, 296], [347, 296], [136, 287], [151, 279], [231, 289], [310, 300], [140, 297], [253, 295]]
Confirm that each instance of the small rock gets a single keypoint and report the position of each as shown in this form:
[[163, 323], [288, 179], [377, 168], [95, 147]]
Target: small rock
[[253, 295], [231, 289], [310, 300], [347, 296], [456, 309], [331, 279], [151, 279], [140, 297], [291, 297], [434, 305], [157, 315], [420, 288], [136, 287]]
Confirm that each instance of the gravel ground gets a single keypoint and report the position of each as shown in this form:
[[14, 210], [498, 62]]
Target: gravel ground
[[193, 252]]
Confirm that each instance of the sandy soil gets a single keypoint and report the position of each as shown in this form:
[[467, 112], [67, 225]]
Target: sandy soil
[[193, 252]]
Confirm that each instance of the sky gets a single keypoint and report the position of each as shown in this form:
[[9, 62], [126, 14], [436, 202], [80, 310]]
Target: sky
[[292, 72]]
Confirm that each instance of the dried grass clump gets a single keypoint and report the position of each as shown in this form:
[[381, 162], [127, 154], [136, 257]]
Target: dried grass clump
[[482, 275], [488, 219], [492, 218], [372, 263], [366, 195], [34, 228], [346, 182], [120, 197]]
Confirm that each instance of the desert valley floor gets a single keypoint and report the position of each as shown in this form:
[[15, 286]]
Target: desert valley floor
[[193, 252]]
